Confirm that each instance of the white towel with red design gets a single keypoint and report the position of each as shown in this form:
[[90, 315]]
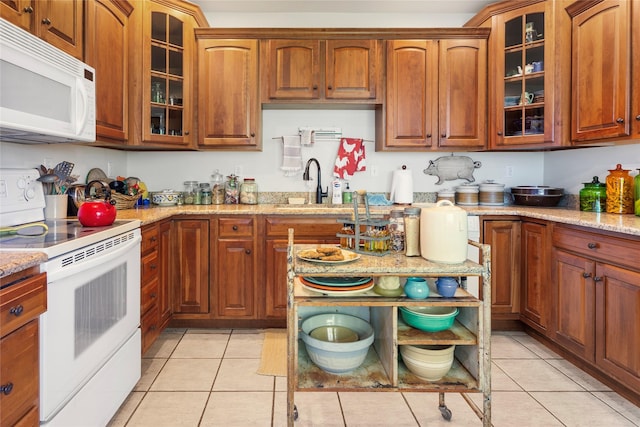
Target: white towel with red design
[[350, 159]]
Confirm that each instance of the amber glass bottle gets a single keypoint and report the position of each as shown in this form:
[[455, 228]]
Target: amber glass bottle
[[619, 191]]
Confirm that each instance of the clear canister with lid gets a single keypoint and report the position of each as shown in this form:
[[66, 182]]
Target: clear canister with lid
[[189, 194], [396, 230], [205, 193], [232, 190], [412, 231], [619, 191], [593, 196], [217, 188], [249, 192]]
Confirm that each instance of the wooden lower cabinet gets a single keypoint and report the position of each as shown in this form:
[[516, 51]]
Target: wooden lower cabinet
[[535, 301], [503, 235], [21, 302], [312, 230], [190, 266], [597, 301], [234, 287]]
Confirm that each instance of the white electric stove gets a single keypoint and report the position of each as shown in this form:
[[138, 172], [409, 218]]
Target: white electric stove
[[90, 333]]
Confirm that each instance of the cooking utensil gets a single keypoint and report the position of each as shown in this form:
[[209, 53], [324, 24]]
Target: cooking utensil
[[537, 195], [63, 170], [49, 181], [97, 212]]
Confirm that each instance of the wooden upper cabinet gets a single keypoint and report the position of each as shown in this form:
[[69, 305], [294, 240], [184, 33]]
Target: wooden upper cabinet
[[352, 69], [294, 68], [635, 70], [228, 98], [601, 71], [320, 70], [463, 93], [412, 94], [107, 50], [436, 94], [58, 22]]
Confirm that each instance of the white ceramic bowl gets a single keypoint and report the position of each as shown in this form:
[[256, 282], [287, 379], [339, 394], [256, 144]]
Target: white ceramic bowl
[[165, 198], [337, 357], [430, 363]]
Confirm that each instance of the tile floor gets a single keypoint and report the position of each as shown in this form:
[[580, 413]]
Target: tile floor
[[201, 377]]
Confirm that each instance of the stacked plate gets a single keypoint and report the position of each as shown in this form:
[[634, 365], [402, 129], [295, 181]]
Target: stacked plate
[[337, 285]]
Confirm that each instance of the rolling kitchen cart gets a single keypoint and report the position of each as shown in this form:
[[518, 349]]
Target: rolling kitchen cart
[[382, 370]]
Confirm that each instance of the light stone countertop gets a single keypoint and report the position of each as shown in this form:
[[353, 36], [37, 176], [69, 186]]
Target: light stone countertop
[[627, 224], [11, 262]]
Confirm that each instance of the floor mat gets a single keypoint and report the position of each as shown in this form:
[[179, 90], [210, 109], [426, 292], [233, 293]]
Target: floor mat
[[274, 353]]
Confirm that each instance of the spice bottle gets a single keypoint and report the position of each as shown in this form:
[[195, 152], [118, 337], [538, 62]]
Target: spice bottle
[[619, 191], [249, 192], [396, 231], [593, 196], [231, 190], [347, 242], [412, 231], [217, 188]]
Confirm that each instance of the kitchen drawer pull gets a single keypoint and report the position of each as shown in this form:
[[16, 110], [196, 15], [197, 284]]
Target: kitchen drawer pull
[[28, 9], [248, 251], [6, 388], [16, 311], [620, 120], [638, 117], [46, 21], [235, 228], [586, 275], [592, 245], [597, 279]]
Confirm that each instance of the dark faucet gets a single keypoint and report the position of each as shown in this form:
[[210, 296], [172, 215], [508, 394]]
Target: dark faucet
[[305, 176]]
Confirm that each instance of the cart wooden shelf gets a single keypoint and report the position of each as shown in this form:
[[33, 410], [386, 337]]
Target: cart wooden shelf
[[382, 370]]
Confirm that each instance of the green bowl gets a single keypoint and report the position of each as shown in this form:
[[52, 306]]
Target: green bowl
[[429, 319]]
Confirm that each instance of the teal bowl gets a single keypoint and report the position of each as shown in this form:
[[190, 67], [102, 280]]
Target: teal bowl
[[429, 319]]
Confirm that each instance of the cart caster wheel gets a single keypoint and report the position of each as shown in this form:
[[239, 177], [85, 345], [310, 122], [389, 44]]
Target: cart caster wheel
[[446, 412], [295, 413]]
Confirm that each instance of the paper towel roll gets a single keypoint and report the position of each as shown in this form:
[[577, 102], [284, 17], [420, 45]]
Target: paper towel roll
[[402, 186]]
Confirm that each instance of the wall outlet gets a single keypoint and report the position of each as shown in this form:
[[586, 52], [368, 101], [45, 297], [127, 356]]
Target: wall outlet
[[374, 170], [508, 172]]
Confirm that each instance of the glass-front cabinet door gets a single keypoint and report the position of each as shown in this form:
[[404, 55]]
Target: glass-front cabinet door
[[166, 87]]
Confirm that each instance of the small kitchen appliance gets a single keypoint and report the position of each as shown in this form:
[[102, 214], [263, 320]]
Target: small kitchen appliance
[[90, 334]]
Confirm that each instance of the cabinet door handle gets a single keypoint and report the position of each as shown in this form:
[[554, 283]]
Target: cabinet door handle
[[444, 135], [16, 311], [638, 117], [428, 135], [330, 87], [153, 266], [28, 9], [153, 239], [247, 251], [597, 279], [592, 245], [315, 87], [586, 275], [6, 388], [186, 132], [235, 228], [499, 133], [620, 120], [252, 134], [153, 295], [46, 21]]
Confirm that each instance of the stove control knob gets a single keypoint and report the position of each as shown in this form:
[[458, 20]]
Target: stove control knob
[[30, 193], [21, 183]]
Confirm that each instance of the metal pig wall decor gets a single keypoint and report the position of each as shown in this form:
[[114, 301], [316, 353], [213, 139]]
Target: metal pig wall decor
[[450, 168]]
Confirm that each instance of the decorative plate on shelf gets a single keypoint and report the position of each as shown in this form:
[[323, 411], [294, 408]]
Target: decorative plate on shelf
[[345, 291], [338, 281], [337, 257]]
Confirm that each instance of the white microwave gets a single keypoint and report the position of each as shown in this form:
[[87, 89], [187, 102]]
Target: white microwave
[[46, 95]]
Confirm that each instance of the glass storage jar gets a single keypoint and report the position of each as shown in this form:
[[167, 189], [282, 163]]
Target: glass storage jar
[[249, 192], [412, 231], [637, 193], [593, 196], [396, 231], [619, 191], [189, 193], [231, 190], [205, 193], [217, 188]]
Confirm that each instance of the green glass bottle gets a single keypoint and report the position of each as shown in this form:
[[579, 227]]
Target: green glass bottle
[[593, 196]]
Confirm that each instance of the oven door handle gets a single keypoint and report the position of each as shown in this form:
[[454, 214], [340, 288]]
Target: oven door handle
[[58, 273]]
